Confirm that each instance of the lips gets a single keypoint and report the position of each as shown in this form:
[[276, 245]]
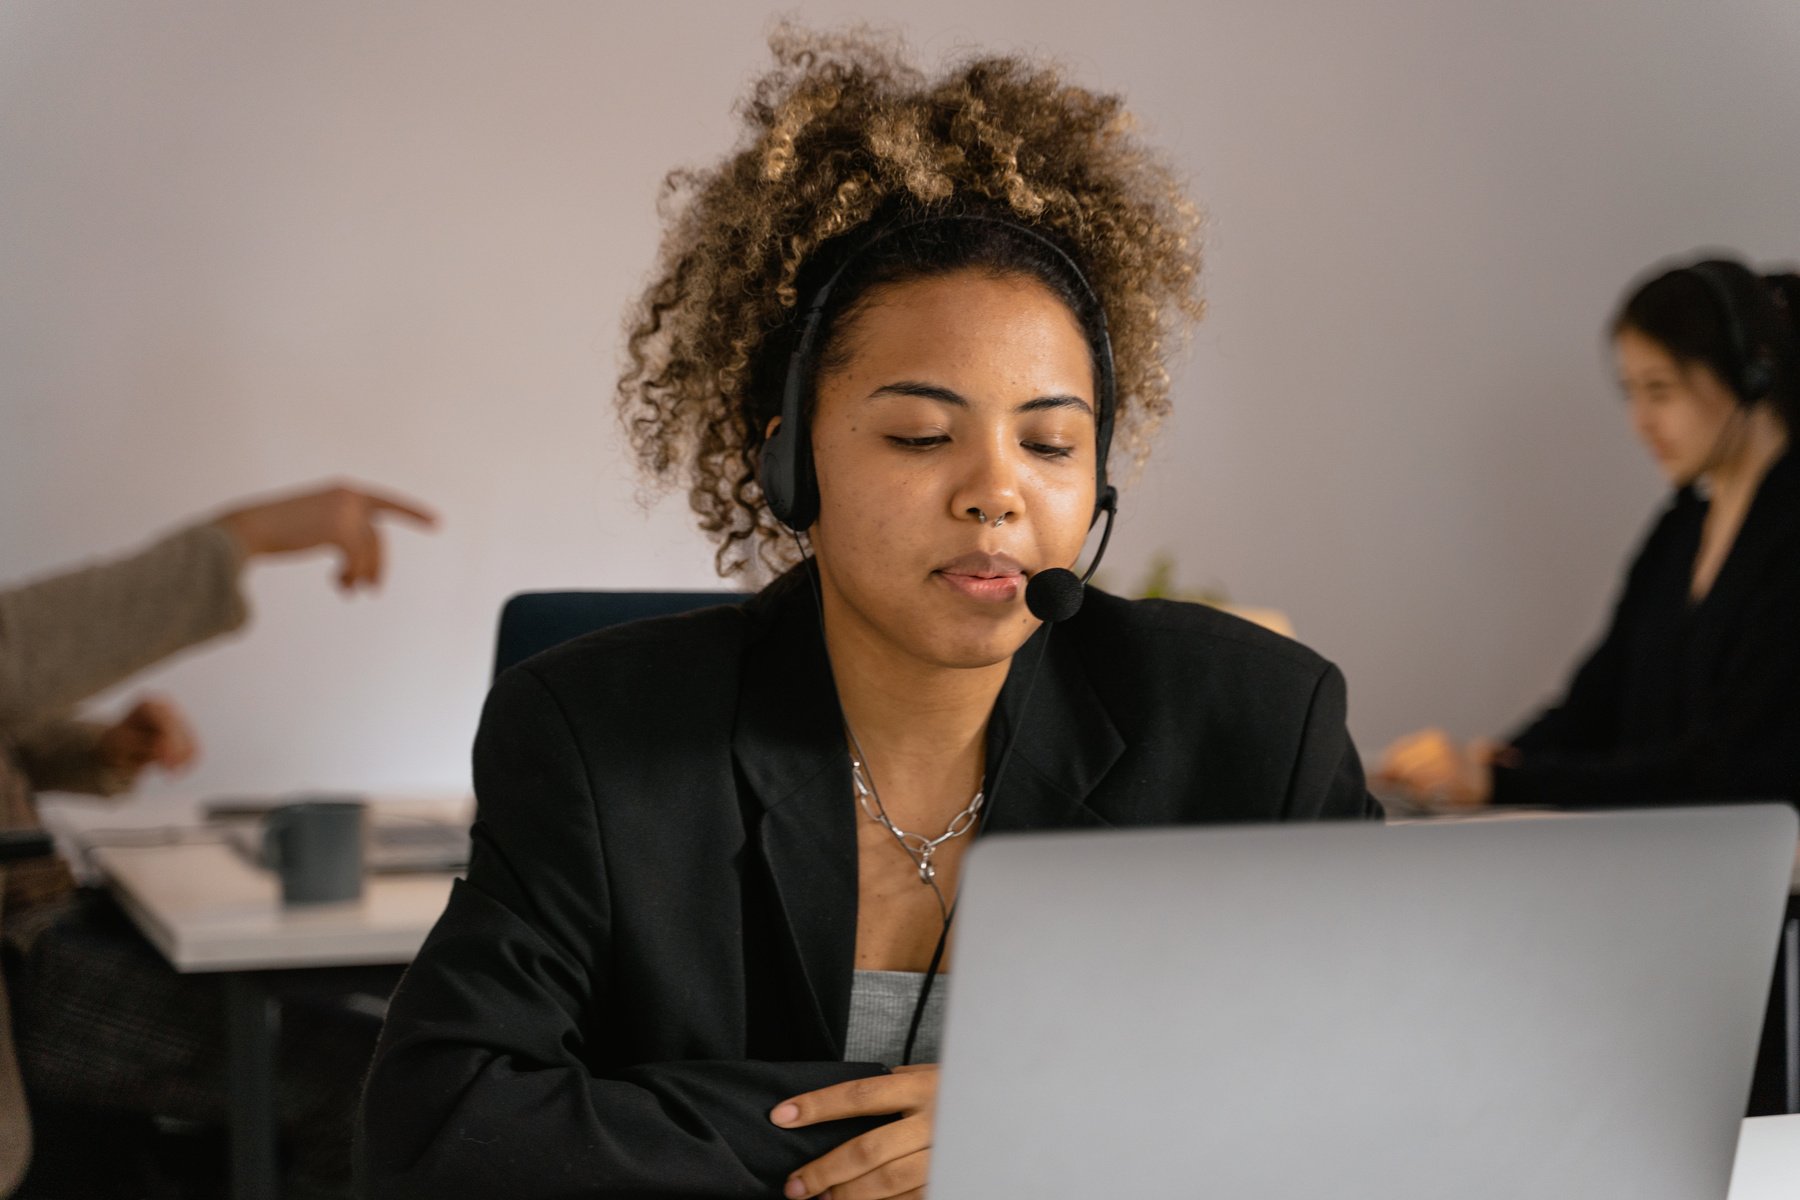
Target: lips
[[983, 565], [989, 577]]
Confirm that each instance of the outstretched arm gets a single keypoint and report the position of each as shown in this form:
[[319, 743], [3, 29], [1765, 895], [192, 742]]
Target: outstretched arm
[[68, 636], [64, 638]]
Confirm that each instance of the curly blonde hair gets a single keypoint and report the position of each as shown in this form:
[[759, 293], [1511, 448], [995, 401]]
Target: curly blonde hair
[[843, 133]]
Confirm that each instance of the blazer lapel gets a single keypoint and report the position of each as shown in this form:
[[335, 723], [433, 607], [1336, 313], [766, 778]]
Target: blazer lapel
[[1063, 742], [789, 748]]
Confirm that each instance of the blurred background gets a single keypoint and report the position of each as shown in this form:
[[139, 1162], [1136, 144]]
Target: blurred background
[[248, 247]]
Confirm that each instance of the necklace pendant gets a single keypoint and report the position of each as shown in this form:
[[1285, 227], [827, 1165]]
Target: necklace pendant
[[927, 871]]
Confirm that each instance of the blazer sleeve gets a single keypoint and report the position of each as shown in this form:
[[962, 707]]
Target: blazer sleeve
[[64, 756], [1327, 780], [1739, 745], [66, 637], [1585, 718], [484, 1082]]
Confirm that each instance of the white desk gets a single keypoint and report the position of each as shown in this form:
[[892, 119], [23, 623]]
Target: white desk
[[1768, 1160], [209, 910]]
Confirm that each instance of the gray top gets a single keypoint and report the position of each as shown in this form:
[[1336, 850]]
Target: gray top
[[881, 1008]]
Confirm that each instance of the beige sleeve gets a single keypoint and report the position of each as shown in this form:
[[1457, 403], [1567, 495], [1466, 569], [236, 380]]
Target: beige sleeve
[[64, 756], [66, 637]]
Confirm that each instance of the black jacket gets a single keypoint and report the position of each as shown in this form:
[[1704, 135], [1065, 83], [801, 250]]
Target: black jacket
[[1684, 702], [655, 941]]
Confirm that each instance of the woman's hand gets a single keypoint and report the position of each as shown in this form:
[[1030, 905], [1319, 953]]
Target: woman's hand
[[154, 731], [1433, 770], [884, 1164], [342, 516]]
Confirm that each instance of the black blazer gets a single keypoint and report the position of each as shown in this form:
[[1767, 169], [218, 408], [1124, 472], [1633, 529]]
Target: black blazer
[[655, 941], [1684, 702]]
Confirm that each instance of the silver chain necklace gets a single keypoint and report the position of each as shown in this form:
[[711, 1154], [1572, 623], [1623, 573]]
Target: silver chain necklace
[[917, 846]]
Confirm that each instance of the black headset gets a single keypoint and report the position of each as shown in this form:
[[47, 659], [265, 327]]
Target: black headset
[[789, 483], [1752, 373]]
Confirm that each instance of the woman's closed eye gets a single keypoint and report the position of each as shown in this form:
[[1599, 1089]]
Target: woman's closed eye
[[933, 440], [924, 442]]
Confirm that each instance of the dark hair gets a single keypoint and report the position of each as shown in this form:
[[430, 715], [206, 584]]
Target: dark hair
[[1682, 310], [906, 249]]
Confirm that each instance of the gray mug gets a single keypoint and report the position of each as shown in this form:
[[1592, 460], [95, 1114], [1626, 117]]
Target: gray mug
[[316, 847]]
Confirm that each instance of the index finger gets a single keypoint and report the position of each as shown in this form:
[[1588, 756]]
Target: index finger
[[412, 510], [875, 1096]]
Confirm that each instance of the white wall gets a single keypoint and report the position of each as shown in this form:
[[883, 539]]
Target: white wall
[[250, 246]]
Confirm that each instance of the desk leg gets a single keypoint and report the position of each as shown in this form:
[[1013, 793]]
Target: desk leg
[[254, 1024], [1790, 1011]]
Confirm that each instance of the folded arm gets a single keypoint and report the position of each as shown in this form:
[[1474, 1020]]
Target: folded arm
[[488, 1080], [1739, 742]]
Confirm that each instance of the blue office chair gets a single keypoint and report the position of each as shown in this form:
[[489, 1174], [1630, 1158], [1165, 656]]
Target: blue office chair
[[535, 621]]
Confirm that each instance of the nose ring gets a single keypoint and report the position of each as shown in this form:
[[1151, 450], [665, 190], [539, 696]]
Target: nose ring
[[981, 518]]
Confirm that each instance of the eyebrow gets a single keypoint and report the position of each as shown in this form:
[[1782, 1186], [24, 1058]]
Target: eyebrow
[[944, 395]]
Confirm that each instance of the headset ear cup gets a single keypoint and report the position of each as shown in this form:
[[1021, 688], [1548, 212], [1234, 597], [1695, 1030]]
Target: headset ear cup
[[786, 470], [1758, 380], [787, 484], [775, 475], [804, 507]]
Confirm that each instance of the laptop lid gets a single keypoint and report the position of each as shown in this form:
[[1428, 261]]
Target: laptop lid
[[1490, 1010]]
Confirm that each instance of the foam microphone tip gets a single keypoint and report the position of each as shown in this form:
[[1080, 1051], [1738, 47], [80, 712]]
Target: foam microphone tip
[[1054, 595]]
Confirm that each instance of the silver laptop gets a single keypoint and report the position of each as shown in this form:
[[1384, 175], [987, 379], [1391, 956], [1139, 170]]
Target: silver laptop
[[1485, 1010]]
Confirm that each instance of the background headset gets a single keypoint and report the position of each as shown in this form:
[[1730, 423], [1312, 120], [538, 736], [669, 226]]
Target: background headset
[[789, 483], [1751, 376]]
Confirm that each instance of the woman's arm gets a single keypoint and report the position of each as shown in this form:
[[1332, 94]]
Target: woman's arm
[[1327, 779], [482, 1084], [67, 637], [104, 760], [1740, 743], [64, 638], [1585, 719]]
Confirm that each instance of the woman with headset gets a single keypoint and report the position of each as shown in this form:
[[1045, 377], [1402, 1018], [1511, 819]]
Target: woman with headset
[[889, 345], [1693, 694]]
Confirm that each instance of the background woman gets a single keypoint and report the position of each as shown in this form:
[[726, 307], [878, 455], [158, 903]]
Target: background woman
[[715, 853], [1694, 691]]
